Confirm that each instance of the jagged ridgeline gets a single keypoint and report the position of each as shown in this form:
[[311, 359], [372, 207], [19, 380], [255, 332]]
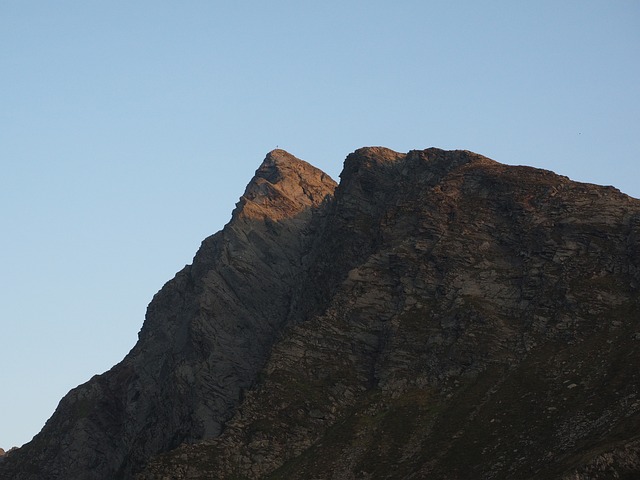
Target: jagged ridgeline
[[435, 315]]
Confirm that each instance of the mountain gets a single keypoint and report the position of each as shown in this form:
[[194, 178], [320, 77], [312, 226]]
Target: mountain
[[435, 315]]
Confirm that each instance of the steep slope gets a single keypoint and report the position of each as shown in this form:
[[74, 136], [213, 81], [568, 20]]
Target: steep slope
[[206, 335], [461, 319], [440, 316]]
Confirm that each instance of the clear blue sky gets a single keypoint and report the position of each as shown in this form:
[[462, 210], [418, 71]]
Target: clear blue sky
[[128, 130]]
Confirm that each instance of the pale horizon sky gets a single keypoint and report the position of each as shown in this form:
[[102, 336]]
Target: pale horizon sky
[[128, 131]]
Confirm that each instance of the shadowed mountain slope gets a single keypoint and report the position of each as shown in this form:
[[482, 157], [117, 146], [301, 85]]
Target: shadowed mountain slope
[[440, 315], [206, 335]]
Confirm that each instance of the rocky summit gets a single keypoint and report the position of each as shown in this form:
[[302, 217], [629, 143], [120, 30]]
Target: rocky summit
[[435, 315]]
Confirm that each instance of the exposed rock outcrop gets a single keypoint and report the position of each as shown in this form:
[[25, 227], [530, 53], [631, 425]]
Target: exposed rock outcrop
[[206, 336], [440, 315]]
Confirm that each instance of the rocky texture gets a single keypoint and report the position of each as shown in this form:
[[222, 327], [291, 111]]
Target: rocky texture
[[441, 316], [206, 336]]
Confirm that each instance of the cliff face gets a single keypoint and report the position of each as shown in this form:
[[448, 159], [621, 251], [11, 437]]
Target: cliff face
[[206, 335], [440, 315]]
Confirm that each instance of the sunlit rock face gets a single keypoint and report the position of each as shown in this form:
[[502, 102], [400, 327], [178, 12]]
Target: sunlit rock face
[[436, 315]]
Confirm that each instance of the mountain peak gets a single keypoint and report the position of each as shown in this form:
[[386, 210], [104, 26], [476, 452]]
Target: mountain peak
[[282, 187], [438, 315], [280, 164], [280, 155]]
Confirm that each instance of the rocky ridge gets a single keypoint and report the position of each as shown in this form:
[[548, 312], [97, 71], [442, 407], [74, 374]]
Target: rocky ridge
[[438, 315], [206, 335]]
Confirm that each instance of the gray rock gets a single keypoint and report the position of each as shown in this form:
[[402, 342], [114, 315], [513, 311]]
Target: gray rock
[[206, 335], [428, 319]]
